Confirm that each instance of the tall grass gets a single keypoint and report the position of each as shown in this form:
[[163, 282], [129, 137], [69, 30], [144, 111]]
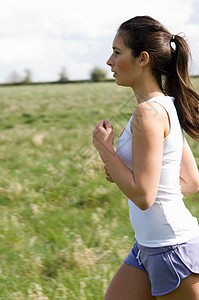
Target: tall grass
[[64, 229]]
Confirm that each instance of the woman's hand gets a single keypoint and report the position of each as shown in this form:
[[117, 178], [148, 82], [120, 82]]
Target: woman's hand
[[103, 141], [108, 177], [103, 136]]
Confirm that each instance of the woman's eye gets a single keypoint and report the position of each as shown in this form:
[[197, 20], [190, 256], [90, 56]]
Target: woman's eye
[[116, 52]]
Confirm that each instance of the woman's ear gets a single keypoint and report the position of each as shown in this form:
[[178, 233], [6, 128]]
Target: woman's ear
[[144, 59]]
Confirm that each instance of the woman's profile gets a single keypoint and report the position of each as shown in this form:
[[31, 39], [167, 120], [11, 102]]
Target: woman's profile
[[153, 164]]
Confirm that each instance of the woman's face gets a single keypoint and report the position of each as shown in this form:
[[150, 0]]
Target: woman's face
[[123, 64]]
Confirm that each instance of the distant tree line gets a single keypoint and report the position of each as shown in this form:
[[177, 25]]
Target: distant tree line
[[15, 77], [96, 75]]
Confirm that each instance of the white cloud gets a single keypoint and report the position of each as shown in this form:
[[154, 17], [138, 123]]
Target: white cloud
[[46, 35]]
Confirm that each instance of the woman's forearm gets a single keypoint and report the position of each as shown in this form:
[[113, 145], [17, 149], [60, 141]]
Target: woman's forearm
[[123, 177]]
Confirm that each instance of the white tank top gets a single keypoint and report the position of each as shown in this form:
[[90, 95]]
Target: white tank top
[[168, 221]]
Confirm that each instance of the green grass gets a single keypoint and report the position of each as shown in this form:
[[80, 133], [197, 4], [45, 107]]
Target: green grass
[[64, 229]]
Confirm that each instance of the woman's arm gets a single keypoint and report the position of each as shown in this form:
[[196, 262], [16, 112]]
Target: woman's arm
[[108, 176], [141, 185], [189, 176]]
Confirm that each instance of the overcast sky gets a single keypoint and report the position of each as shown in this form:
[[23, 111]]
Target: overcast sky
[[46, 35]]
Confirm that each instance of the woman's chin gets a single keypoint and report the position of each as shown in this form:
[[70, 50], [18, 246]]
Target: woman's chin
[[119, 82]]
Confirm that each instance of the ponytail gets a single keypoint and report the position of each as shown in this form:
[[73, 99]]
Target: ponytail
[[143, 33], [178, 85]]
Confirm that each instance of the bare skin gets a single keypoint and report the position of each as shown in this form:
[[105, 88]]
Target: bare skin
[[130, 283]]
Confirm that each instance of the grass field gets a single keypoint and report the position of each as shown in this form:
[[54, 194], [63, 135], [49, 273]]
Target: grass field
[[64, 229]]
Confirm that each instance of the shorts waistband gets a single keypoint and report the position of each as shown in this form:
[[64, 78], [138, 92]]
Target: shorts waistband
[[155, 250], [163, 249]]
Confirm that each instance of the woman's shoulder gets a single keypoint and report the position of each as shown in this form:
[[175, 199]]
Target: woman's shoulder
[[150, 117], [149, 110]]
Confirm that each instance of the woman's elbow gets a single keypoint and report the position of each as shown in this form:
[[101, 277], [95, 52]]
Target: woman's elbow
[[143, 202], [191, 189], [196, 188], [145, 206]]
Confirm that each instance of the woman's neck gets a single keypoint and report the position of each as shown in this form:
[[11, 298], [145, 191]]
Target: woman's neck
[[142, 97], [147, 89]]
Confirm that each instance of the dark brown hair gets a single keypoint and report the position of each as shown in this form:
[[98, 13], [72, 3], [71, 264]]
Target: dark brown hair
[[169, 55]]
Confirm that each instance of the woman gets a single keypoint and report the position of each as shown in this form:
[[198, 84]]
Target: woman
[[153, 165]]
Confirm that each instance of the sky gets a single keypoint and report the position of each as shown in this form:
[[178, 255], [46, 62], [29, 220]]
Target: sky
[[47, 35]]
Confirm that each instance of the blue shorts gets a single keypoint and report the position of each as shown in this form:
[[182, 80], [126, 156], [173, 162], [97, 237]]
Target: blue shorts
[[166, 266]]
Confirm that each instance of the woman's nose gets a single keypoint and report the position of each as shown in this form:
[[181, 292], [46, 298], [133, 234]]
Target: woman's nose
[[109, 62]]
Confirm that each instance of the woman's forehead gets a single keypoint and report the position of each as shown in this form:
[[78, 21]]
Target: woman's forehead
[[118, 42]]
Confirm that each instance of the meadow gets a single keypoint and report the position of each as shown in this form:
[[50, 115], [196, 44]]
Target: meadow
[[64, 229]]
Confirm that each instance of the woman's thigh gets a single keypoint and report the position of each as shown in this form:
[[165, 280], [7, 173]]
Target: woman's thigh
[[187, 290], [129, 283]]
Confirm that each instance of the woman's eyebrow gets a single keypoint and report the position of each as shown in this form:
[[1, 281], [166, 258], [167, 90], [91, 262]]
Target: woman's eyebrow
[[116, 48]]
